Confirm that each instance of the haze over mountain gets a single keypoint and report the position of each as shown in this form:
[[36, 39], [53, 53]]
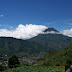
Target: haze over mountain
[[40, 43]]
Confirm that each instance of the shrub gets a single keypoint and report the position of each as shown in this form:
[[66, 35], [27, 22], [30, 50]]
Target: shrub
[[13, 62], [2, 68]]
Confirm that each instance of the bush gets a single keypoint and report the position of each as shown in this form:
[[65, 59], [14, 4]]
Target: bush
[[68, 62], [2, 68], [13, 62]]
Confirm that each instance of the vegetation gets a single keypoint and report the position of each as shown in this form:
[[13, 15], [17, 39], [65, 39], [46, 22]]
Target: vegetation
[[57, 58], [13, 62], [2, 68], [41, 43], [36, 69]]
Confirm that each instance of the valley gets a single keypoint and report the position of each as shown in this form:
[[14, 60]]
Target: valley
[[45, 52]]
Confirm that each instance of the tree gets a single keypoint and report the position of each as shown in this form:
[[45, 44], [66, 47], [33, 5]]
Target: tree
[[13, 62], [2, 68], [68, 62]]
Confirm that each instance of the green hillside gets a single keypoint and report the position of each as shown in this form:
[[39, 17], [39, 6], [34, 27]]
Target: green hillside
[[12, 46], [37, 69], [52, 41], [57, 58], [41, 43]]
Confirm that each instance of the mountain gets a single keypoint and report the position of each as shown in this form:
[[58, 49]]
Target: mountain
[[51, 29], [57, 58], [41, 43], [52, 41], [10, 46]]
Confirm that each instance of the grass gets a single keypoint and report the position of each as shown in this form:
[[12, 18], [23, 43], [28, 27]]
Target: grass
[[36, 69]]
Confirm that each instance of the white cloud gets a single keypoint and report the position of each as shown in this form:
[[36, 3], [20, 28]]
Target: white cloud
[[67, 32], [51, 32], [1, 15], [23, 32]]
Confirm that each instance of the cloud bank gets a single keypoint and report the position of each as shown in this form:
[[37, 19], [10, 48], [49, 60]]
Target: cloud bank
[[23, 31], [29, 31], [67, 32]]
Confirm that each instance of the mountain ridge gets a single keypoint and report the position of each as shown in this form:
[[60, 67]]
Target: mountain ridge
[[41, 43]]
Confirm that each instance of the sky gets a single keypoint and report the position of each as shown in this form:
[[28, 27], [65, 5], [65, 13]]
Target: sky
[[47, 13]]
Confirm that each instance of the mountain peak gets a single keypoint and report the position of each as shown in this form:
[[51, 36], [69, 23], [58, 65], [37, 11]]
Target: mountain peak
[[51, 29]]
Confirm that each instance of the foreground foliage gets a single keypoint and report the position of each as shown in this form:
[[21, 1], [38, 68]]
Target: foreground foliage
[[2, 68], [36, 69], [13, 62]]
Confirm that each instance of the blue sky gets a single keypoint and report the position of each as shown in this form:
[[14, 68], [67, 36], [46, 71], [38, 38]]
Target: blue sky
[[51, 13]]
